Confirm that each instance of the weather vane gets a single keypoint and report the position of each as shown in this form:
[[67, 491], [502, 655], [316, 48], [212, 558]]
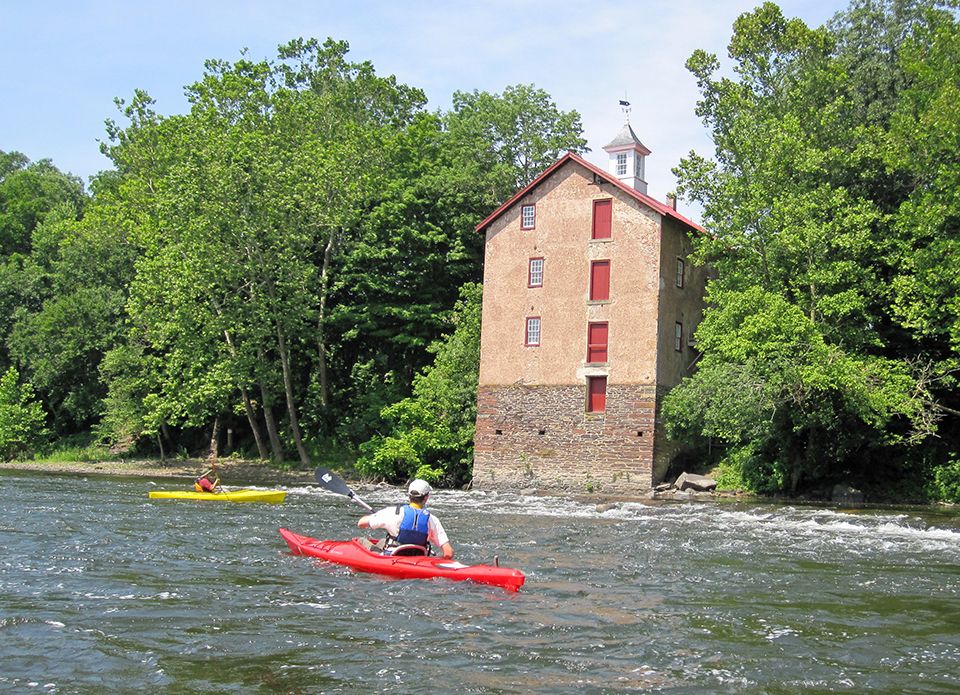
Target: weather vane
[[625, 107]]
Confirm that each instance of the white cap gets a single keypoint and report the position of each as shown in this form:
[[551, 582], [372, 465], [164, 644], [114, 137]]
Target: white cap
[[419, 488]]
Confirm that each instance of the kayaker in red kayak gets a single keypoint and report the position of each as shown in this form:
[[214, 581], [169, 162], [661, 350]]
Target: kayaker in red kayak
[[410, 524], [208, 482]]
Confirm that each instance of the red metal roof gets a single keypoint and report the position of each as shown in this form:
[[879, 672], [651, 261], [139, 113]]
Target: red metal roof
[[643, 198]]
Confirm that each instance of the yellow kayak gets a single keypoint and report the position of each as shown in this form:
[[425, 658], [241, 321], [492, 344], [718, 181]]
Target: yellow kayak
[[272, 496]]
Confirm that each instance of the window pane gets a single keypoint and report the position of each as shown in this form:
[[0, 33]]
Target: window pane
[[535, 276], [678, 337], [533, 331], [527, 216], [602, 219], [679, 272], [621, 164], [599, 280]]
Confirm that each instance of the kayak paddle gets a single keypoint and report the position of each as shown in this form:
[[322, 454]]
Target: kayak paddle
[[334, 483]]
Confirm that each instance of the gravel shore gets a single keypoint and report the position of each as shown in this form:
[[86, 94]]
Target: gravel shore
[[232, 472]]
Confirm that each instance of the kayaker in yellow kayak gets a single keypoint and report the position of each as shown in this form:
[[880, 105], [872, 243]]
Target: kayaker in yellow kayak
[[208, 482], [409, 524]]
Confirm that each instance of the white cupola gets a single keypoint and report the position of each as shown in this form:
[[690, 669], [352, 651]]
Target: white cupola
[[627, 156]]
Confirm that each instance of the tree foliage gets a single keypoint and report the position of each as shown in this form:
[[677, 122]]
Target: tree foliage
[[923, 143], [394, 291], [503, 141], [431, 433], [60, 338], [29, 191], [240, 208], [51, 293], [827, 352], [21, 417]]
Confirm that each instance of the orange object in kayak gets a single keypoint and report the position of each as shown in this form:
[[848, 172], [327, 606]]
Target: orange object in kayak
[[352, 554]]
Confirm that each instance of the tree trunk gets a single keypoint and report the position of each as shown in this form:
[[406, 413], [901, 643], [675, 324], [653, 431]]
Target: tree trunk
[[160, 444], [254, 425], [328, 254], [291, 402], [165, 433], [247, 406], [214, 440], [275, 445]]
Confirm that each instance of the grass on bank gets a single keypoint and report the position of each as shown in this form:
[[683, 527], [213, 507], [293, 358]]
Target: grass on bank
[[74, 448], [84, 448]]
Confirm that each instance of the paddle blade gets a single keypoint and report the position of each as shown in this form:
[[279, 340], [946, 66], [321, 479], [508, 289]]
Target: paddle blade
[[334, 483]]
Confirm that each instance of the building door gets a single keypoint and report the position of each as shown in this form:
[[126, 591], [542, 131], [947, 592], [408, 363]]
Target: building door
[[596, 394]]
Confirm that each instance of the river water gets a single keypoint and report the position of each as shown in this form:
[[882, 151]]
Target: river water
[[105, 590]]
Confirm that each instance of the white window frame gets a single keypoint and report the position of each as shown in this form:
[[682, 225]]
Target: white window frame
[[680, 268], [678, 336], [532, 336], [621, 163], [535, 273], [528, 216]]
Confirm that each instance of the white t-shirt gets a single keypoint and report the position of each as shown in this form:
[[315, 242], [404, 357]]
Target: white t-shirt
[[389, 520]]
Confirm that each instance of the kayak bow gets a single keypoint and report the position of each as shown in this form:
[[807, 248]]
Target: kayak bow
[[352, 554], [271, 496]]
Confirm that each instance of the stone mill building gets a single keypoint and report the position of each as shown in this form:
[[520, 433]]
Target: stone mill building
[[589, 305]]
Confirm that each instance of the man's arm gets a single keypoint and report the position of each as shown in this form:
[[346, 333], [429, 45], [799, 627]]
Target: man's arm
[[439, 537]]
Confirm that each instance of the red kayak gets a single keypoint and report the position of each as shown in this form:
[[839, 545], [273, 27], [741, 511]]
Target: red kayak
[[352, 554]]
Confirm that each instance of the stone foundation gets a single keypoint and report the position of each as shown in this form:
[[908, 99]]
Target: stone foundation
[[541, 437]]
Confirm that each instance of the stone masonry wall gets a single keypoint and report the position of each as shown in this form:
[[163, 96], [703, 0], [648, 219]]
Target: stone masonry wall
[[541, 436]]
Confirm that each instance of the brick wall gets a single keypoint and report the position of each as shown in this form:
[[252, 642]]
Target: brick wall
[[541, 436]]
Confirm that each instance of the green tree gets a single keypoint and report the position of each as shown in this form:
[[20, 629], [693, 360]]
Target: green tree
[[81, 270], [501, 142], [242, 207], [23, 287], [21, 417], [431, 433], [802, 207], [923, 141], [298, 237], [28, 193], [788, 404]]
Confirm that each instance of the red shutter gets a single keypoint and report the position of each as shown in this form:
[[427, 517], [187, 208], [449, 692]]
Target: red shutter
[[602, 218], [600, 280], [597, 342], [596, 394]]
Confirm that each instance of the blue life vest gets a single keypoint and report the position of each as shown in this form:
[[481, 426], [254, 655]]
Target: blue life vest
[[415, 527]]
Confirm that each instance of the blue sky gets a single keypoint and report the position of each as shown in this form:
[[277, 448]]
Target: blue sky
[[66, 61]]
